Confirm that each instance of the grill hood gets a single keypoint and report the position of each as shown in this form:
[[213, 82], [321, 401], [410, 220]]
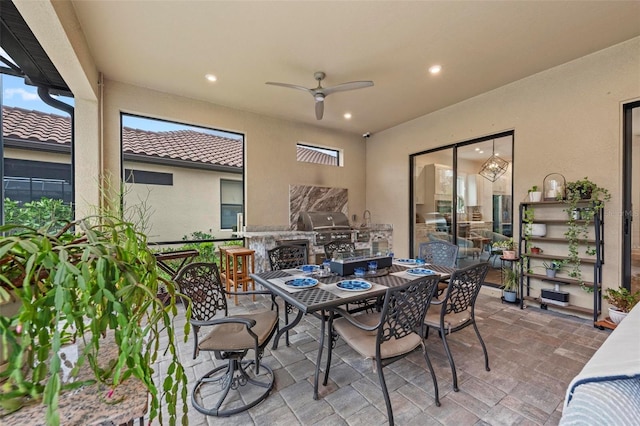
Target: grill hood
[[323, 221]]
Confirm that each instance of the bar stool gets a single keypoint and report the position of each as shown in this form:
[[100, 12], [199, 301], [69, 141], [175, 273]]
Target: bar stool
[[225, 265], [240, 263]]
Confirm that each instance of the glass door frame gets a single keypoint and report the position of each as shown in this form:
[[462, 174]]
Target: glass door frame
[[454, 147], [627, 186]]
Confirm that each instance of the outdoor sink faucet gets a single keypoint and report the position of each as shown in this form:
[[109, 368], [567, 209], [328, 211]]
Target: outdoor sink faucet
[[366, 219]]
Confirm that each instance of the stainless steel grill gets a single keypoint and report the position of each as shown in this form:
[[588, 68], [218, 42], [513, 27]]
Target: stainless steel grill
[[327, 226]]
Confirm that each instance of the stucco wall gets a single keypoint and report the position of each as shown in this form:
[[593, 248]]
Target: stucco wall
[[191, 204], [270, 149], [566, 120]]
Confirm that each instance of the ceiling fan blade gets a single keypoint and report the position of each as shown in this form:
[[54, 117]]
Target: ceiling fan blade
[[319, 109], [291, 86], [352, 85]]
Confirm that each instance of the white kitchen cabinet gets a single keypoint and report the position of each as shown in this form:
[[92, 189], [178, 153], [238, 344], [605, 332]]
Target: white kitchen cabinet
[[435, 182]]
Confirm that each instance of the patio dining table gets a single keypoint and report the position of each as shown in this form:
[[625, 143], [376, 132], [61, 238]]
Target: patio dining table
[[323, 298]]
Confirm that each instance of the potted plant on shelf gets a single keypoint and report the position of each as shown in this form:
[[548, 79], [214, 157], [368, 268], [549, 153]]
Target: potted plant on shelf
[[511, 281], [553, 267], [507, 247], [622, 301], [587, 192], [535, 195], [94, 277]]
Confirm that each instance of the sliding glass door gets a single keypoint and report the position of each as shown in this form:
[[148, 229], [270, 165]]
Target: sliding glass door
[[462, 194], [631, 198]]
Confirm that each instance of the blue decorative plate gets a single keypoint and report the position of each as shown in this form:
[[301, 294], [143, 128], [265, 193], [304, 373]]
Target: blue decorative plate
[[407, 261], [302, 282], [420, 272], [308, 268], [354, 285]]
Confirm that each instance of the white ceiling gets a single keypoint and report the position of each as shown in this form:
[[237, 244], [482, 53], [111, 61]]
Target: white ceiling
[[170, 45]]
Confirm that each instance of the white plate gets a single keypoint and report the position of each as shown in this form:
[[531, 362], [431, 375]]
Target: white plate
[[353, 285], [301, 282], [420, 272]]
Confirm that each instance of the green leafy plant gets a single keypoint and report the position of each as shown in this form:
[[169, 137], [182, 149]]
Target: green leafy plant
[[53, 213], [556, 265], [511, 278], [577, 233], [622, 298], [94, 276], [534, 188], [507, 244]]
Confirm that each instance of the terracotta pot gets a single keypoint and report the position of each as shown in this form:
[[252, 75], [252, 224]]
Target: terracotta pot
[[536, 250], [509, 254]]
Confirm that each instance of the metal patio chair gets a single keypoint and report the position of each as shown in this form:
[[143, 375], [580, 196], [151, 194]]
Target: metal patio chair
[[457, 310], [391, 334], [230, 338]]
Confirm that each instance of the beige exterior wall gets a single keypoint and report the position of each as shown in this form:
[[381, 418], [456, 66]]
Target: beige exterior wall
[[191, 204], [270, 149], [566, 120], [23, 154]]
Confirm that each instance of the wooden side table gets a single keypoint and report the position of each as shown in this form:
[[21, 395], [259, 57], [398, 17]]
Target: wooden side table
[[240, 264]]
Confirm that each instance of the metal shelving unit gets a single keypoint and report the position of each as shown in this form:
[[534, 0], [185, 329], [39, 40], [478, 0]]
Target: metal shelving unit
[[556, 226]]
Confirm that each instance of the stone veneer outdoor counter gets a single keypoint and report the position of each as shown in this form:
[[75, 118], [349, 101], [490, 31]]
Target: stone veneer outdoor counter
[[90, 404], [262, 239]]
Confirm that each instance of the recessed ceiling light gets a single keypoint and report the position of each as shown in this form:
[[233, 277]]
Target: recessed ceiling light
[[347, 115], [211, 77], [477, 149], [435, 69], [480, 152]]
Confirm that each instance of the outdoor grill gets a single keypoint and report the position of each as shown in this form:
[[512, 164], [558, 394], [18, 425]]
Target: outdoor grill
[[326, 226]]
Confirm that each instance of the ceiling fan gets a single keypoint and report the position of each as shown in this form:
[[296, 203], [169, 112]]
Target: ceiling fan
[[319, 93]]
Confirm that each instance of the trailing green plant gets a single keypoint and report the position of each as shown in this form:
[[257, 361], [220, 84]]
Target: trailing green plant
[[622, 298], [95, 276], [582, 191], [527, 223]]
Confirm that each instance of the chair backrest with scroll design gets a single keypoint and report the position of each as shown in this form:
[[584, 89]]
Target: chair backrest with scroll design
[[287, 257], [201, 283], [441, 253]]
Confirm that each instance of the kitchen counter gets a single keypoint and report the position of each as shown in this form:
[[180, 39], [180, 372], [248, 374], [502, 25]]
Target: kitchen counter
[[262, 239]]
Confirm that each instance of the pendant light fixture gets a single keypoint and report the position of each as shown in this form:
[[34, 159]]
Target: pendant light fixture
[[494, 167]]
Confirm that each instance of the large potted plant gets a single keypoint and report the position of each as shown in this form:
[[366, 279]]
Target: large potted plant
[[622, 301], [95, 276]]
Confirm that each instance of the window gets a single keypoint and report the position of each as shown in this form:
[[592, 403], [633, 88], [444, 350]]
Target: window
[[172, 174], [37, 168], [317, 155], [230, 203], [149, 178]]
